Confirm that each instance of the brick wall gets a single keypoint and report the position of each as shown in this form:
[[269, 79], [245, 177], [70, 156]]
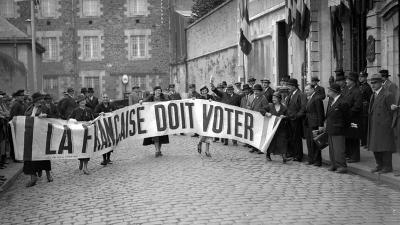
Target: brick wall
[[111, 26]]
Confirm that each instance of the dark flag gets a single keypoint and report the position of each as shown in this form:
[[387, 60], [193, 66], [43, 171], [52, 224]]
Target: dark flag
[[298, 17], [244, 41]]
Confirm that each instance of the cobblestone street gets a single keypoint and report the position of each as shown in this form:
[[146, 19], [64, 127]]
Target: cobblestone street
[[233, 187]]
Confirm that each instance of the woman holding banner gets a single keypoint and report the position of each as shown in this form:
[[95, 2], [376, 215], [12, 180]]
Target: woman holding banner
[[82, 113], [35, 168], [158, 96], [204, 139], [279, 143]]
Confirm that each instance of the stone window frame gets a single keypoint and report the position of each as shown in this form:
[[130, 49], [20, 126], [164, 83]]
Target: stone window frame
[[51, 34], [128, 42], [53, 80], [129, 13], [15, 8], [91, 33], [80, 10], [57, 12]]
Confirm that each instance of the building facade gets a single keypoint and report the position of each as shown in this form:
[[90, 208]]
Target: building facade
[[93, 43]]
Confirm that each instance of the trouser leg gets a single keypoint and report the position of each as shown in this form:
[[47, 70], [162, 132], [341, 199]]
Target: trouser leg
[[378, 160]]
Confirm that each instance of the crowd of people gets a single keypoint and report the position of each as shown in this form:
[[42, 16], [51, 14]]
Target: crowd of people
[[357, 114]]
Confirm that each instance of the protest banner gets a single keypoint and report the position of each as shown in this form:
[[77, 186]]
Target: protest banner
[[41, 139]]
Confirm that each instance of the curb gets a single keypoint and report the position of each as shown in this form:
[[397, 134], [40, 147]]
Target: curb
[[10, 180]]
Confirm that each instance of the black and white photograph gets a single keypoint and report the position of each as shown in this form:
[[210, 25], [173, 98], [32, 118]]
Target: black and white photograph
[[214, 112]]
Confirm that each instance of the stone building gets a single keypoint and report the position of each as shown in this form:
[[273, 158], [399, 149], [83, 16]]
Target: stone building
[[16, 59], [93, 43]]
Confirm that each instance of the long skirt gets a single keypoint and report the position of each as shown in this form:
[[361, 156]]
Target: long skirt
[[279, 143], [164, 139], [32, 167]]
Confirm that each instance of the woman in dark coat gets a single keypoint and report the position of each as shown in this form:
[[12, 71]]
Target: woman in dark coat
[[158, 140], [82, 113], [35, 168], [204, 139], [279, 143], [104, 107]]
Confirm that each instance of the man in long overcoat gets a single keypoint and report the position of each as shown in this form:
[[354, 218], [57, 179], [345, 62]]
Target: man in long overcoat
[[366, 92], [380, 132]]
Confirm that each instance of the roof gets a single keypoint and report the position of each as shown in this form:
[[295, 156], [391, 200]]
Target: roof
[[7, 30]]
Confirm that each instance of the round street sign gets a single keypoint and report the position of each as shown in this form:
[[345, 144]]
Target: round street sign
[[125, 79]]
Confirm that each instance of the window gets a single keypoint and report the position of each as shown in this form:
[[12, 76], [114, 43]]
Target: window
[[51, 46], [48, 8], [139, 81], [90, 8], [93, 82], [91, 47], [137, 7], [7, 8], [50, 83], [138, 46]]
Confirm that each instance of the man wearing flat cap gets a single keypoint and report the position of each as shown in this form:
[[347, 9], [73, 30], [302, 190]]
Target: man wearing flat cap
[[388, 85], [172, 94], [366, 92], [319, 91], [267, 90], [296, 103], [380, 132], [67, 104], [352, 96]]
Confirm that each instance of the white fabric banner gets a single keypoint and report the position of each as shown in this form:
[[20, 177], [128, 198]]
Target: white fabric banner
[[40, 139]]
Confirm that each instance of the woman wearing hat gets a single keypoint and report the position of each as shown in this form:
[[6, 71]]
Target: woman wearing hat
[[158, 96], [204, 139], [35, 168], [279, 143], [82, 113]]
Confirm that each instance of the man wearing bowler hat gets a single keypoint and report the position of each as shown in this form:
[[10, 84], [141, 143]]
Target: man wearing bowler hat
[[67, 104], [92, 101], [366, 92], [319, 91], [336, 125], [380, 132], [296, 102], [388, 85], [268, 91]]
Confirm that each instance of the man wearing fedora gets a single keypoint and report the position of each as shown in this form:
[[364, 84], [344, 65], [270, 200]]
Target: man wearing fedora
[[389, 85], [366, 92], [172, 94], [228, 97], [296, 102], [341, 80], [319, 91], [380, 132], [268, 91], [92, 101], [67, 104], [335, 127], [352, 96]]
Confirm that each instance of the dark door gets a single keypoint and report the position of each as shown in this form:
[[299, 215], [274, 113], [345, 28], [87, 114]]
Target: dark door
[[282, 50]]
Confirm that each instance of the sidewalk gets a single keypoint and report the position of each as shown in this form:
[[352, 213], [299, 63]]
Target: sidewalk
[[11, 172], [367, 163]]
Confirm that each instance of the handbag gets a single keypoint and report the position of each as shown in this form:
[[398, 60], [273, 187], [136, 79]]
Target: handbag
[[321, 141]]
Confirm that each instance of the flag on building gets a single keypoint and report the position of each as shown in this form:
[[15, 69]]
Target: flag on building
[[298, 17], [244, 40]]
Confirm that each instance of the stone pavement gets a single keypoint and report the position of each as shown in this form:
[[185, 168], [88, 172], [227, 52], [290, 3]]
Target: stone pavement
[[233, 187]]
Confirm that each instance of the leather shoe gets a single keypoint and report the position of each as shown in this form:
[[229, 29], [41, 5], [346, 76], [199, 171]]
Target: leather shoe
[[352, 161], [318, 164], [253, 150], [269, 158], [260, 152], [341, 170], [332, 168], [377, 169], [385, 171]]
